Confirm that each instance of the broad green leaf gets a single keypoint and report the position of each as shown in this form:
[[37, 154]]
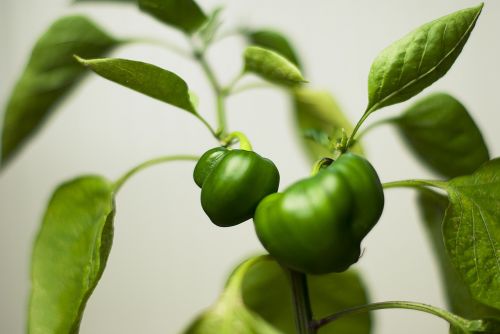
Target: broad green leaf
[[471, 230], [185, 15], [420, 58], [229, 315], [272, 66], [70, 254], [266, 291], [257, 299], [275, 41], [318, 110], [432, 207], [144, 78], [439, 129], [50, 74]]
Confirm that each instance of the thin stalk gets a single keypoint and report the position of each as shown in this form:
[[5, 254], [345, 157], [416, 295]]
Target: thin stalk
[[208, 126], [415, 184], [250, 86], [230, 87], [443, 314], [374, 125], [217, 89], [242, 139], [356, 128], [119, 183], [301, 302], [161, 43]]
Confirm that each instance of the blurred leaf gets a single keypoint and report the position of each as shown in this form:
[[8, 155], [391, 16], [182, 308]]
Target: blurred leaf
[[471, 230], [316, 109], [416, 61], [70, 254], [432, 207], [272, 66], [144, 78], [185, 15], [266, 291], [275, 41], [440, 130], [209, 29], [50, 74]]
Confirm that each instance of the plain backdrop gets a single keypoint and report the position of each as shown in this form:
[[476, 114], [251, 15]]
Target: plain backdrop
[[168, 261]]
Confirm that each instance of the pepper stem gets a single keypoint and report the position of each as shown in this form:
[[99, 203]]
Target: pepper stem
[[301, 302], [320, 164], [241, 138]]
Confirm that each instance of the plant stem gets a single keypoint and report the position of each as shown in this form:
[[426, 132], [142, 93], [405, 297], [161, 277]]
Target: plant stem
[[161, 43], [416, 184], [374, 125], [356, 128], [217, 89], [119, 183], [242, 139], [448, 316], [209, 127], [301, 302]]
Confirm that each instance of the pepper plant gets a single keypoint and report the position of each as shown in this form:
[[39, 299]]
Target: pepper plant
[[313, 229]]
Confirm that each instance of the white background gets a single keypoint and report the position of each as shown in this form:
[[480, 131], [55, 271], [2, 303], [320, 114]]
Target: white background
[[168, 261]]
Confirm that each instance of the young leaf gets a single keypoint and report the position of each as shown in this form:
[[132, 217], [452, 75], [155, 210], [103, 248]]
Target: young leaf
[[439, 129], [144, 78], [419, 59], [266, 291], [70, 254], [316, 109], [432, 207], [275, 41], [272, 66], [471, 230], [50, 74], [185, 15]]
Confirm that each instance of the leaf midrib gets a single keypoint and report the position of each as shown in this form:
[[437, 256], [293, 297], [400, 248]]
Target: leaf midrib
[[411, 82]]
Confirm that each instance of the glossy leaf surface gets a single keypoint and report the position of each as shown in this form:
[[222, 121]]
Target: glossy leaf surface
[[185, 15], [420, 58], [471, 231], [318, 110], [275, 41], [440, 130], [272, 66], [50, 74], [70, 254], [144, 78], [432, 207]]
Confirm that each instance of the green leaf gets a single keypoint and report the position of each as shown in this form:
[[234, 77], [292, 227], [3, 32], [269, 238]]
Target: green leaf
[[318, 110], [50, 74], [144, 78], [272, 66], [471, 230], [439, 130], [209, 29], [185, 15], [229, 314], [432, 207], [70, 254], [266, 291], [275, 41], [420, 58]]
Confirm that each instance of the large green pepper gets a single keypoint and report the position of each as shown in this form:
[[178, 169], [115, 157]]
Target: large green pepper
[[316, 225], [233, 182]]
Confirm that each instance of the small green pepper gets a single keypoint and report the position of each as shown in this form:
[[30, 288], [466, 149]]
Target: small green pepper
[[233, 182], [316, 225]]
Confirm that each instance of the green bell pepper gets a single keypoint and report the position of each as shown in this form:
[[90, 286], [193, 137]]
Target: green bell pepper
[[316, 225], [233, 182]]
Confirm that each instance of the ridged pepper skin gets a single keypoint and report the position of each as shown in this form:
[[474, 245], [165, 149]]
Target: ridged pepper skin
[[232, 183], [316, 225]]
